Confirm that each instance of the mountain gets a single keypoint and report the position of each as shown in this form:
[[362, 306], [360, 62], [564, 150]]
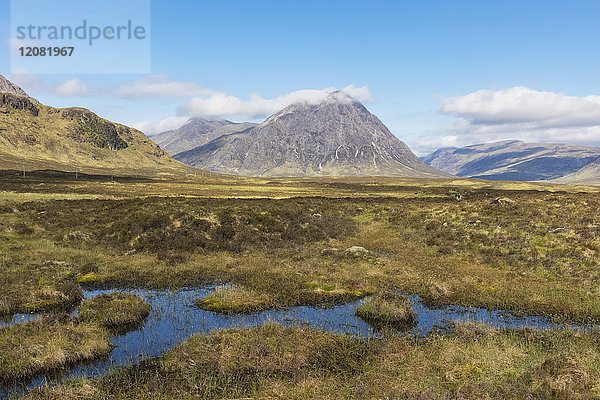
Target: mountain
[[197, 132], [336, 137], [36, 136], [513, 160], [588, 175], [7, 86]]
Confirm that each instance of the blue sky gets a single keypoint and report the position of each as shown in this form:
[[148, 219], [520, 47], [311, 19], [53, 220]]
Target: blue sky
[[437, 72]]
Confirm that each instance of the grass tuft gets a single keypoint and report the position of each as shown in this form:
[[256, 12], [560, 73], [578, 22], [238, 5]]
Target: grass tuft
[[49, 344], [387, 309], [273, 361], [233, 299], [114, 310], [29, 296]]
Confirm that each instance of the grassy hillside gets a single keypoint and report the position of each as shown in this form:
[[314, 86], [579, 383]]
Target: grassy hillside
[[34, 136]]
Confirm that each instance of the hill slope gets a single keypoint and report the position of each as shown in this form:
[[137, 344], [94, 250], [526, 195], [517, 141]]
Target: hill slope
[[513, 160], [588, 175], [42, 137], [197, 132], [336, 137]]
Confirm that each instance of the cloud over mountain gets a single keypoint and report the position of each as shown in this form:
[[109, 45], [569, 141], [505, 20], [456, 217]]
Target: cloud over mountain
[[152, 128], [227, 106], [224, 105]]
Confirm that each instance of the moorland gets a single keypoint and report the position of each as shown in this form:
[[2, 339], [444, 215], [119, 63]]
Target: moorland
[[528, 248]]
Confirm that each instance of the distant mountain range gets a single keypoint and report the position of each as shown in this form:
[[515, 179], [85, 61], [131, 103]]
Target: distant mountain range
[[337, 137], [513, 160], [42, 137], [197, 132]]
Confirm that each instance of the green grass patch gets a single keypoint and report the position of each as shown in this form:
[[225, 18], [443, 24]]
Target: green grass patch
[[114, 310], [233, 299]]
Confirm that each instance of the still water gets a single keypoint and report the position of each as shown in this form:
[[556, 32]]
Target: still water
[[174, 318]]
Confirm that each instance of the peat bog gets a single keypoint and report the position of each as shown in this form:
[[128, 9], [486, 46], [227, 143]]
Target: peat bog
[[284, 253]]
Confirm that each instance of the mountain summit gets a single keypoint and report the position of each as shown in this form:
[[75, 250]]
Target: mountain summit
[[7, 86], [337, 136]]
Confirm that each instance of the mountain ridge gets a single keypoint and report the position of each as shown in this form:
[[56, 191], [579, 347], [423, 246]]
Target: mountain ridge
[[513, 160], [196, 132], [589, 174]]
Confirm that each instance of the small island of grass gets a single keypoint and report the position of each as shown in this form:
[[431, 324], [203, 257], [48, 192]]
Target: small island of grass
[[115, 309], [233, 299], [387, 309]]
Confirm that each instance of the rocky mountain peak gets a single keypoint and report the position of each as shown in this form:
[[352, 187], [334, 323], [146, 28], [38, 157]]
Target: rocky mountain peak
[[333, 135], [340, 97], [332, 105], [7, 86]]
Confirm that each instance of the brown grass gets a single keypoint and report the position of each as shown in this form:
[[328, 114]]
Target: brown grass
[[48, 344], [272, 361], [387, 309], [536, 254]]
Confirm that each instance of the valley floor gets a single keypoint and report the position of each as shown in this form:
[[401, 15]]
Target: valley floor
[[529, 248]]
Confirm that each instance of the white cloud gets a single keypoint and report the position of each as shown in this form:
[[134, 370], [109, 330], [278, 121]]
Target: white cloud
[[521, 105], [150, 87], [72, 88], [223, 105], [152, 128], [33, 84], [516, 113], [30, 83], [361, 94], [159, 86]]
